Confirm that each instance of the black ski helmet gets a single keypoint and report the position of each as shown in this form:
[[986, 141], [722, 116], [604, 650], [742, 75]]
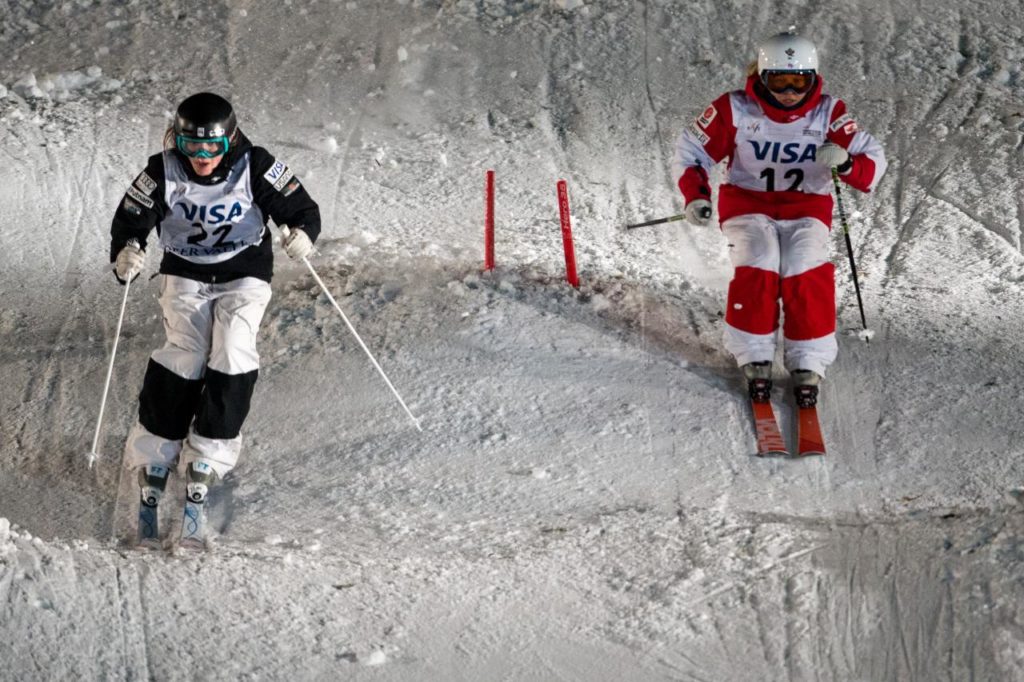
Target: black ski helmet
[[205, 115]]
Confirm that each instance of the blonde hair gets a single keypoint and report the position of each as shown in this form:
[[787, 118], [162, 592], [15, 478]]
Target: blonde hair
[[752, 68]]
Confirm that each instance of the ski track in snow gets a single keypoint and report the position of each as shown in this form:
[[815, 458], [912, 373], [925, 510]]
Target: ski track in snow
[[583, 503]]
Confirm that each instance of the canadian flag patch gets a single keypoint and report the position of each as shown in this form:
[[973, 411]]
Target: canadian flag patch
[[705, 119]]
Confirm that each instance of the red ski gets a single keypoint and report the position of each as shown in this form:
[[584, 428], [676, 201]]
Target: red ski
[[808, 429], [769, 438]]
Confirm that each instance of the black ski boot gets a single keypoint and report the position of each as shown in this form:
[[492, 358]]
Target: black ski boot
[[759, 380], [805, 387]]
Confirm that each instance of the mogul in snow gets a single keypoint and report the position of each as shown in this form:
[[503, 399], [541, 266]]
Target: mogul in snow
[[783, 136], [209, 194]]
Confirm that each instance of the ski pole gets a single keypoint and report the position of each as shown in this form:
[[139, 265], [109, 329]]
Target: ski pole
[[659, 221], [285, 231], [849, 248], [705, 213], [110, 370]]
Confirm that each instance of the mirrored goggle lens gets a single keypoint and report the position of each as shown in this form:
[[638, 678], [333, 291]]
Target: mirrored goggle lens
[[789, 81], [202, 148]]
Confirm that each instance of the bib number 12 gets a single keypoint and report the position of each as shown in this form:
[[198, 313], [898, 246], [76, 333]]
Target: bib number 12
[[797, 176]]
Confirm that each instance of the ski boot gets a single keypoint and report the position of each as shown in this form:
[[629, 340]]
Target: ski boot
[[759, 380], [805, 387], [193, 526], [152, 482]]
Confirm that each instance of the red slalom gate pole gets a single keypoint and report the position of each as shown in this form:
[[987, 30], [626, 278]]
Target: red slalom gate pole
[[489, 224], [570, 252]]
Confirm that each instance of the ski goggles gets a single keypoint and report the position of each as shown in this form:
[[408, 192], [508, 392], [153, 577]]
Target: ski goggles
[[799, 82], [202, 147]]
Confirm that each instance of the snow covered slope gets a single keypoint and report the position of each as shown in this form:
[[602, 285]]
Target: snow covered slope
[[583, 503]]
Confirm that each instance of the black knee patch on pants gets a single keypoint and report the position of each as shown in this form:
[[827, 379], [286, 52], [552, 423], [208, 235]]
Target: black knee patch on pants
[[168, 402], [225, 403]]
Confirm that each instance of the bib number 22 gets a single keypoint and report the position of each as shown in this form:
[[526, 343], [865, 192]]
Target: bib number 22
[[200, 236]]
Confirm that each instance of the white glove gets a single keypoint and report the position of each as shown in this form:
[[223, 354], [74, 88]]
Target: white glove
[[698, 212], [296, 242], [130, 261], [832, 155]]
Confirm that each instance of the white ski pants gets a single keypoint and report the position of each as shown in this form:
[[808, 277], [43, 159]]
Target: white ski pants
[[198, 386]]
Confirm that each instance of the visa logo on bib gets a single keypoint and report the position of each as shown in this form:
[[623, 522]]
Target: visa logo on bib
[[212, 215], [777, 152]]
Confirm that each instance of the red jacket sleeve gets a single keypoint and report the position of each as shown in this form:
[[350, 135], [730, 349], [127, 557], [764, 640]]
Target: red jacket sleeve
[[865, 151], [709, 139]]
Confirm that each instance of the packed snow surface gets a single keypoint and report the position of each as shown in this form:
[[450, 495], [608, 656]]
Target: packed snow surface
[[583, 502]]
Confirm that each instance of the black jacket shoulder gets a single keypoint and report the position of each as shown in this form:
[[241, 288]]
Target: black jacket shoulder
[[280, 194], [141, 207]]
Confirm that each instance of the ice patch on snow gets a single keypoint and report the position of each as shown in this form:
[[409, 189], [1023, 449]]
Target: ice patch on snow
[[27, 87], [378, 657], [64, 85], [364, 238], [600, 303], [403, 54], [329, 145], [7, 538]]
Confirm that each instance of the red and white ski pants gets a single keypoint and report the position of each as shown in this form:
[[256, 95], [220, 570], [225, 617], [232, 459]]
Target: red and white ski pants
[[787, 260], [197, 388]]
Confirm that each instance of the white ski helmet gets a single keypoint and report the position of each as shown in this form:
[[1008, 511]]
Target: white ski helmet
[[787, 52]]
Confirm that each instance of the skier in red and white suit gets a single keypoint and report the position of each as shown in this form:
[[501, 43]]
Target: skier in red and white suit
[[783, 136]]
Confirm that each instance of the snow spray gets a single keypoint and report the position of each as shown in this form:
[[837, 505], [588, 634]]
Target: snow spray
[[489, 223], [570, 253]]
